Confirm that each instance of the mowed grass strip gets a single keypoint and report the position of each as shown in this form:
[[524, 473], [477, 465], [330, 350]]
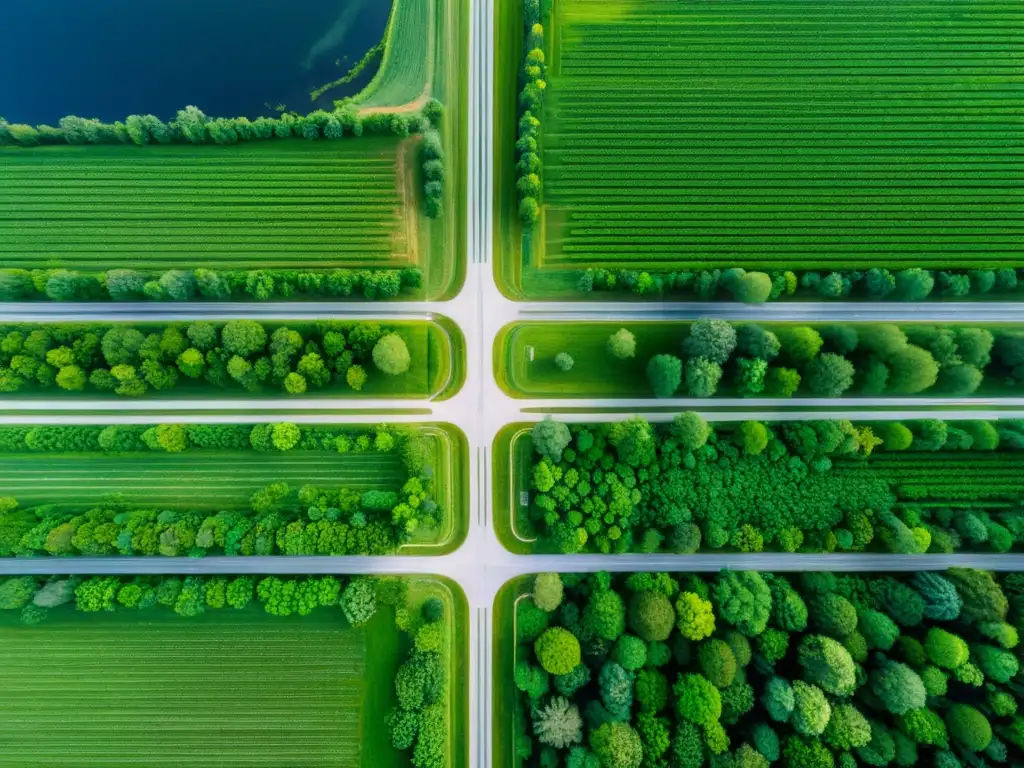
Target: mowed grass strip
[[196, 480], [784, 134], [406, 68], [229, 688], [286, 204]]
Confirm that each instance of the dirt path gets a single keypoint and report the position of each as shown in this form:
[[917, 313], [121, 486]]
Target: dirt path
[[407, 175]]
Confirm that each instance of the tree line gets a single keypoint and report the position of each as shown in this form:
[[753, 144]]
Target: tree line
[[828, 360], [753, 287], [281, 520], [192, 126], [419, 724], [810, 486], [190, 596], [744, 670], [205, 284], [531, 104], [131, 361]]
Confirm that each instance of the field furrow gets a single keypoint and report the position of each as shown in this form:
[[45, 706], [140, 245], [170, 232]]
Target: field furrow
[[274, 204], [783, 134], [196, 480], [231, 688]]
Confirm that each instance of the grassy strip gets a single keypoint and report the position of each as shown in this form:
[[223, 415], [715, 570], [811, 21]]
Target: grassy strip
[[352, 74], [405, 69]]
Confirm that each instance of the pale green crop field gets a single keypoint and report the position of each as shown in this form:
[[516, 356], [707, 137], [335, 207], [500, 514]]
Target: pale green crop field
[[194, 480], [229, 688], [783, 134], [274, 204]]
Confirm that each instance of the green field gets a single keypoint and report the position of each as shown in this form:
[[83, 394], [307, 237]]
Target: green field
[[273, 204], [426, 57], [194, 480], [208, 481], [405, 72], [283, 204], [226, 688], [776, 134]]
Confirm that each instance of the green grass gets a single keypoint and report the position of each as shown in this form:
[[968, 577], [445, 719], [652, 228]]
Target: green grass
[[226, 688], [194, 480], [512, 466], [408, 55], [597, 374], [426, 54], [450, 85], [286, 204], [509, 255], [503, 646]]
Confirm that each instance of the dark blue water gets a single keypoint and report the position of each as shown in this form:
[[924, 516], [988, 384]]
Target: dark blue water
[[108, 59]]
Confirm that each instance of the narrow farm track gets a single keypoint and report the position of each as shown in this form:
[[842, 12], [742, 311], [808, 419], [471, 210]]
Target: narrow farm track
[[783, 134], [240, 207], [197, 480], [168, 691]]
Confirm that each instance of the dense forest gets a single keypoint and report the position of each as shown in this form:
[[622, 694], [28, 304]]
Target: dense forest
[[812, 486], [313, 519], [743, 670], [131, 361]]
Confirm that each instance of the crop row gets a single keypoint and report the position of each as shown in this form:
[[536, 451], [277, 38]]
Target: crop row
[[239, 212], [845, 109]]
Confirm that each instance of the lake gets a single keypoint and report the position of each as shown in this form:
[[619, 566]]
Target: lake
[[108, 59]]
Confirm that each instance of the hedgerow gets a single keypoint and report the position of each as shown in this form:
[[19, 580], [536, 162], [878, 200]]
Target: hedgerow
[[814, 486], [205, 284], [820, 702], [531, 106], [821, 360], [876, 284], [132, 361], [192, 126]]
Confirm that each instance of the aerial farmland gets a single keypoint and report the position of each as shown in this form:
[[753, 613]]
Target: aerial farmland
[[352, 188], [678, 138], [511, 384]]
